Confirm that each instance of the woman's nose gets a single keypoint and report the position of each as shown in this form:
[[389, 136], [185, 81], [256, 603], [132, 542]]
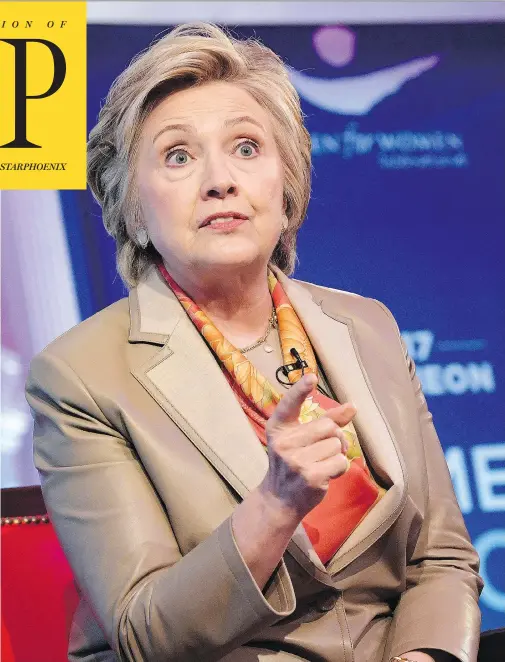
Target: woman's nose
[[218, 182]]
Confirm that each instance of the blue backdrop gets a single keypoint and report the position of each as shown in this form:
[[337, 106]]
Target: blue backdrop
[[408, 206]]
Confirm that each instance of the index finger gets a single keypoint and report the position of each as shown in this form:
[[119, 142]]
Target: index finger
[[288, 408]]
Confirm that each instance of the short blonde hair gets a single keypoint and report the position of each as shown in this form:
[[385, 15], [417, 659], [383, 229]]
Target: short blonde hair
[[190, 55]]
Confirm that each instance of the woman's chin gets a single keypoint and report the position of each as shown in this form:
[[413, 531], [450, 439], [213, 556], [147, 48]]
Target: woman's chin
[[239, 257]]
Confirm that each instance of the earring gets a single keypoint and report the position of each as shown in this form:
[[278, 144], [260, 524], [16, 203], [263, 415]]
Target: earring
[[142, 237], [285, 222]]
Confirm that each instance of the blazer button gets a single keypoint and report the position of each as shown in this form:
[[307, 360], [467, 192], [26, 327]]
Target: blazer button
[[326, 602]]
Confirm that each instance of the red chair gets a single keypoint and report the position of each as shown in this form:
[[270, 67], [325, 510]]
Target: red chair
[[39, 595]]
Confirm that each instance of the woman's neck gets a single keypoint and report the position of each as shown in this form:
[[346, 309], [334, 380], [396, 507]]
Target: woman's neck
[[238, 303]]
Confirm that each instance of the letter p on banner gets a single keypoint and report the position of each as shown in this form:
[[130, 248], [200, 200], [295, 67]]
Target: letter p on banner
[[43, 95]]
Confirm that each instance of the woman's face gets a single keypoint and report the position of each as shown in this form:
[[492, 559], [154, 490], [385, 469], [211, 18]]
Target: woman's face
[[203, 151]]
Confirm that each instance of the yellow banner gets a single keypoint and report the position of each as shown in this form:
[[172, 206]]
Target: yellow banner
[[42, 95]]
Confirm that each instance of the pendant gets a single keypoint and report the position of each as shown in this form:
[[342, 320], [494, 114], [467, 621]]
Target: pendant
[[268, 348]]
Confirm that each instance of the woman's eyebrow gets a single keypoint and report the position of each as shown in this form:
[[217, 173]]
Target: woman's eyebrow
[[243, 118], [226, 124], [173, 127]]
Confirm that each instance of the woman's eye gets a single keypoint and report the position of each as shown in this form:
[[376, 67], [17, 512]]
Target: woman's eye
[[177, 157], [247, 148]]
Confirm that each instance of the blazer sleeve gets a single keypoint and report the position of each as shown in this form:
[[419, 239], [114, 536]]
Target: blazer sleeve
[[439, 607], [151, 602]]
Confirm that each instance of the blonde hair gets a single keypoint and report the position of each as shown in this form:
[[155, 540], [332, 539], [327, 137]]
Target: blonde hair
[[190, 55]]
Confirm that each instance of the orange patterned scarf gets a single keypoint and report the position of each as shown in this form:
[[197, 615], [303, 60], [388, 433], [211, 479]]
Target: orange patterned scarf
[[350, 496]]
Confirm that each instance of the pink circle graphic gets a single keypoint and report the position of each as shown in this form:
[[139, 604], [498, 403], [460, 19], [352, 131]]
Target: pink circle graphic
[[335, 45]]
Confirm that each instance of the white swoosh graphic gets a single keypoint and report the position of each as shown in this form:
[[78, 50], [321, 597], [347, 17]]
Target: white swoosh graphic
[[359, 94]]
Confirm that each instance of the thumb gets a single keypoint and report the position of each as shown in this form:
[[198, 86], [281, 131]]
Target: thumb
[[288, 408], [343, 414]]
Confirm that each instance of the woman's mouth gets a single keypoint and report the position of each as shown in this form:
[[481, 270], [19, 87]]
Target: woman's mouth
[[223, 224]]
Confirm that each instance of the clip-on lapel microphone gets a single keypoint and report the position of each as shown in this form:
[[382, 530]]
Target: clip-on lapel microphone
[[299, 364]]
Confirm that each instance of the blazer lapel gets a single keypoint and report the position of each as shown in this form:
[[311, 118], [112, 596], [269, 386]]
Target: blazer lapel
[[333, 337], [186, 381]]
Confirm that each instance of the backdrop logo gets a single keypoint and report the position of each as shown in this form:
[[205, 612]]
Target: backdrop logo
[[43, 91], [395, 149], [358, 95]]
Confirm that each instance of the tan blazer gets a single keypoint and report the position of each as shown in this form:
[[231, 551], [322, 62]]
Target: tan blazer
[[144, 452]]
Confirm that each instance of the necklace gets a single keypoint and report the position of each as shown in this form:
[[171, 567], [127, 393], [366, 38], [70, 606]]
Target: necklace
[[272, 324]]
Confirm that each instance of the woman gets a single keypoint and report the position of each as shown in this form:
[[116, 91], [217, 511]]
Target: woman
[[188, 541]]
